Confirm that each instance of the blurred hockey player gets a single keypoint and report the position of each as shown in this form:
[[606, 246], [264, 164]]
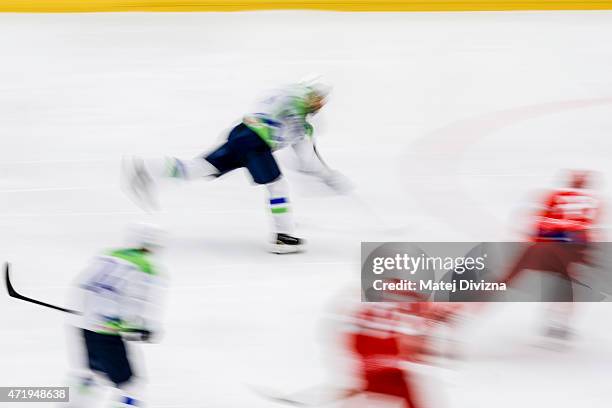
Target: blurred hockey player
[[565, 227], [384, 337], [568, 216], [384, 341], [279, 121], [118, 296]]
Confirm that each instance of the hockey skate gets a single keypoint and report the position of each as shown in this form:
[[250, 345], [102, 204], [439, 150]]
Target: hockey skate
[[560, 333], [286, 244], [138, 184]]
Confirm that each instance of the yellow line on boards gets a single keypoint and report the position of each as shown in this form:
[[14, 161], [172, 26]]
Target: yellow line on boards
[[44, 6]]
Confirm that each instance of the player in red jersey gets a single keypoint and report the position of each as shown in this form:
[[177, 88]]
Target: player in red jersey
[[384, 336], [564, 230], [568, 214], [377, 344], [381, 338]]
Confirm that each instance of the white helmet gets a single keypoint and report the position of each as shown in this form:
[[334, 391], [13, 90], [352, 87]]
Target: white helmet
[[317, 84], [144, 235]]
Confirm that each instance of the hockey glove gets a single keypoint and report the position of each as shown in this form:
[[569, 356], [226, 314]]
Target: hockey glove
[[141, 335]]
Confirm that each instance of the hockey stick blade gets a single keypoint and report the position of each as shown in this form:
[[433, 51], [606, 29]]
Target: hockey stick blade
[[271, 396], [301, 402], [14, 294]]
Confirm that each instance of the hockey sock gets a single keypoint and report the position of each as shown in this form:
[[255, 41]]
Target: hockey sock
[[129, 394], [84, 392], [171, 167], [128, 402], [189, 169], [558, 315], [278, 194]]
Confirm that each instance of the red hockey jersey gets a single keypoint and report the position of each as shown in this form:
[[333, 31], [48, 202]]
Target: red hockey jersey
[[567, 215]]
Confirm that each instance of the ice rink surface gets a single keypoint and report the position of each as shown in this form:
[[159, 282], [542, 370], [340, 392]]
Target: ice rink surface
[[446, 123]]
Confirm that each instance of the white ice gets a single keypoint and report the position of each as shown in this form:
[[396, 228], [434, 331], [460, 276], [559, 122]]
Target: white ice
[[445, 122]]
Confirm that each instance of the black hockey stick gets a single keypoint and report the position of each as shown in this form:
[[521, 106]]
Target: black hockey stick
[[14, 294], [316, 152], [144, 334], [278, 398]]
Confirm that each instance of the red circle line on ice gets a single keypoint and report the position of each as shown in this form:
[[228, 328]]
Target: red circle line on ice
[[454, 140]]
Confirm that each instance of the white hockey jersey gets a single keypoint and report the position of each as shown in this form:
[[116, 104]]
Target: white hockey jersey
[[120, 291], [281, 118]]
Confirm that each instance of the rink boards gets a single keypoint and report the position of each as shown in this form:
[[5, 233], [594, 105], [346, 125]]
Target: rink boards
[[446, 122], [342, 5]]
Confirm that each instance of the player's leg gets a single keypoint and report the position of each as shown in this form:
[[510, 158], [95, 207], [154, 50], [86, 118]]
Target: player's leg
[[108, 356], [85, 390], [129, 387], [85, 386], [557, 294], [140, 177], [259, 160], [557, 320], [393, 383], [126, 395], [406, 393], [284, 240], [193, 169]]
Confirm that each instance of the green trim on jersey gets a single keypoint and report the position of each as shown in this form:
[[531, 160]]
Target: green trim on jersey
[[308, 129], [116, 327], [112, 327], [265, 132], [260, 129], [136, 257], [296, 106]]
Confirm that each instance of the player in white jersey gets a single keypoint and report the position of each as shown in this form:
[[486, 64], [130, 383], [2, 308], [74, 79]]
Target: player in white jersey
[[118, 296], [279, 121]]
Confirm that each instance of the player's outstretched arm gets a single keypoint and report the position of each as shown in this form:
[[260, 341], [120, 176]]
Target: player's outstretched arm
[[310, 162]]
